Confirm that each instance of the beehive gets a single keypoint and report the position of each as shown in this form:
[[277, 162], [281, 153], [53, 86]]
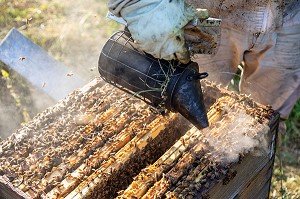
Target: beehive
[[102, 143]]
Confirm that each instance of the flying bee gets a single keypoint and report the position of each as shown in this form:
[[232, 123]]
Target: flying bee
[[28, 20], [70, 74], [22, 58]]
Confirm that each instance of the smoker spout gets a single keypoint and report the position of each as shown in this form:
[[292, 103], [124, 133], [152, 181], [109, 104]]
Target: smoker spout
[[187, 97]]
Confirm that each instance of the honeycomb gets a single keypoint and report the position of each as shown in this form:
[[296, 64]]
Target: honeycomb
[[100, 142]]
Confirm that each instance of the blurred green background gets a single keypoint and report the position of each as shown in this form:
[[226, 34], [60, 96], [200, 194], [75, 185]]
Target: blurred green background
[[74, 32]]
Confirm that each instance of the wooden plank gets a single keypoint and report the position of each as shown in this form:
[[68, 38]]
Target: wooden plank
[[246, 172], [264, 193], [256, 186], [38, 66], [8, 191]]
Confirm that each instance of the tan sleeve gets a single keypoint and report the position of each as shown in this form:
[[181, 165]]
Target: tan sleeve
[[115, 6]]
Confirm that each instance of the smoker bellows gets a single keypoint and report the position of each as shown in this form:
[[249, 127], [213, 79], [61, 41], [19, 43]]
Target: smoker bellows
[[100, 142]]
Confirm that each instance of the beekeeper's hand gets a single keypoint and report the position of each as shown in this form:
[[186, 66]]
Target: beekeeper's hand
[[157, 26]]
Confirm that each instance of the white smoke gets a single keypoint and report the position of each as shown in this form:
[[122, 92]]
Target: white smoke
[[237, 133]]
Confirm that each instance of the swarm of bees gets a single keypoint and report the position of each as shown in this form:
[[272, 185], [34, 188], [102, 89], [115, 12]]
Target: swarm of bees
[[101, 143]]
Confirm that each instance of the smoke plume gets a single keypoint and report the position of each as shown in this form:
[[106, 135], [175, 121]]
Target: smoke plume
[[237, 133]]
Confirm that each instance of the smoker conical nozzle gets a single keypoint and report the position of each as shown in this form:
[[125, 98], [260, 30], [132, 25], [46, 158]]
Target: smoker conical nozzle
[[187, 98]]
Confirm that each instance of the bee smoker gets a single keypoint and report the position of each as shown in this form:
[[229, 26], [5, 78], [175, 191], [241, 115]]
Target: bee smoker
[[162, 84]]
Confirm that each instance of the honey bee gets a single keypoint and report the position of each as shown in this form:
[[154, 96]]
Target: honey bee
[[268, 107], [22, 58], [28, 20], [70, 74], [206, 185]]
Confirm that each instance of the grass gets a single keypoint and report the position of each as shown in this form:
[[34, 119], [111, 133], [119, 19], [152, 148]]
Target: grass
[[293, 128], [28, 16], [73, 32], [286, 175]]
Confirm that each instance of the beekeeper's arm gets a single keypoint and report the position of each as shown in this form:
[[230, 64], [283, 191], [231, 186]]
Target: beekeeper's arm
[[157, 25]]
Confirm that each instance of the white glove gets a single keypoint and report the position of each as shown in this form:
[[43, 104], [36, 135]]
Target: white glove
[[157, 26]]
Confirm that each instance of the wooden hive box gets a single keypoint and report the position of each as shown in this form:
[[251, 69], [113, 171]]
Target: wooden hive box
[[101, 143]]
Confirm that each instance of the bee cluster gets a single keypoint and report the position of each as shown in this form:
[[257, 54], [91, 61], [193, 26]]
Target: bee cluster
[[102, 143], [191, 168]]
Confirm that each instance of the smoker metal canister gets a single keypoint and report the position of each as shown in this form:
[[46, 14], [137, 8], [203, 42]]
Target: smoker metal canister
[[160, 83]]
